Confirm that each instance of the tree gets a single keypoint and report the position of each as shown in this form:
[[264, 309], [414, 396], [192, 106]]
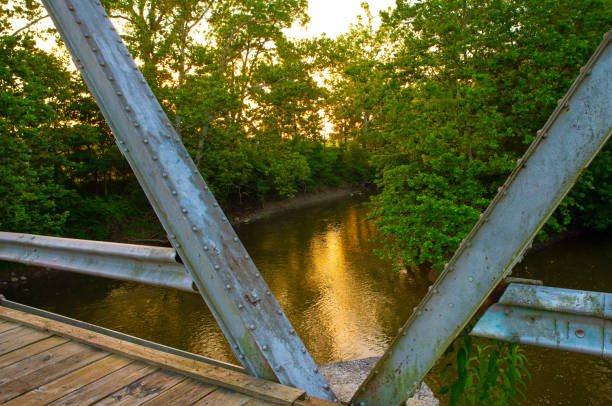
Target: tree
[[470, 84], [358, 77], [33, 87]]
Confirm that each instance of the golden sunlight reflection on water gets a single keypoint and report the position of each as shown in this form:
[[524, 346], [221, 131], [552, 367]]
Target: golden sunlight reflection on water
[[343, 301]]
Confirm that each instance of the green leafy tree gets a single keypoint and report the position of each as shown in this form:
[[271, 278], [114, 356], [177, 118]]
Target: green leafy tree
[[34, 88], [237, 89], [471, 82], [442, 158], [358, 77], [57, 151]]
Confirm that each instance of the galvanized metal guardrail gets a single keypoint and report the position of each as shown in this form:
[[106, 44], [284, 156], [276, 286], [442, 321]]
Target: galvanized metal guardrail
[[136, 263], [565, 319]]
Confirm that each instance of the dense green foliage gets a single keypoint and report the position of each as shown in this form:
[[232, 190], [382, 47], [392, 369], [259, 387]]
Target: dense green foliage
[[436, 105], [469, 84], [27, 125], [241, 95]]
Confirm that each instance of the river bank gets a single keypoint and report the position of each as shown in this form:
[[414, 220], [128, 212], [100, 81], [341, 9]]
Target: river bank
[[248, 214]]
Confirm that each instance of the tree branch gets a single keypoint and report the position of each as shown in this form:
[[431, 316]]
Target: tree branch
[[259, 86], [231, 38], [31, 23], [122, 17]]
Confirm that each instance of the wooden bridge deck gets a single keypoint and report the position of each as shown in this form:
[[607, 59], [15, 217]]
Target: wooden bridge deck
[[46, 359]]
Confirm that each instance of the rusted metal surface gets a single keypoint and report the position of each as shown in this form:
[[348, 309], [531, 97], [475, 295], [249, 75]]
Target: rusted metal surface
[[136, 263], [573, 135], [259, 333], [565, 319]]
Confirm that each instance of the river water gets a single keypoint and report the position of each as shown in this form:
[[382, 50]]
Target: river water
[[343, 301]]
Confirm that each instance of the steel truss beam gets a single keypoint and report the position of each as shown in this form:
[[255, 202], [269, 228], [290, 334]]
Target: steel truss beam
[[572, 320], [250, 317], [570, 139]]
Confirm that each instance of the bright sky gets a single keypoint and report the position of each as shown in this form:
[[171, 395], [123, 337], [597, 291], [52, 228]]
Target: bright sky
[[333, 17]]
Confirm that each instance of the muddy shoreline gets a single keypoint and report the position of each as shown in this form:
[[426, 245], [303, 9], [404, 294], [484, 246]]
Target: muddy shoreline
[[245, 215]]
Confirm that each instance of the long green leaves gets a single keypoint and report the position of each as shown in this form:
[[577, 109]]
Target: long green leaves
[[492, 374]]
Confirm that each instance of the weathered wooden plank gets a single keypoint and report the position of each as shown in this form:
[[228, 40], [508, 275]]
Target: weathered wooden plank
[[49, 372], [6, 325], [101, 388], [19, 337], [212, 374], [118, 335], [70, 382], [143, 389], [5, 336], [185, 393], [314, 402], [259, 402], [30, 350], [48, 357], [223, 397]]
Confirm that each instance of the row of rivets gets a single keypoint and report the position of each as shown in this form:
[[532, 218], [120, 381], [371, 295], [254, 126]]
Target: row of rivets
[[174, 192], [101, 63], [240, 305]]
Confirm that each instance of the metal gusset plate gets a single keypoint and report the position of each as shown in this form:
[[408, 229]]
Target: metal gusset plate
[[567, 143], [258, 331], [565, 319]]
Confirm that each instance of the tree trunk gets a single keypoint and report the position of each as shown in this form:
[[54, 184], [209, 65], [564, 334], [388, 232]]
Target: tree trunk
[[202, 140]]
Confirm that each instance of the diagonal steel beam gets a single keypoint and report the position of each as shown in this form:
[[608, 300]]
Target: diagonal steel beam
[[250, 317], [567, 143]]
